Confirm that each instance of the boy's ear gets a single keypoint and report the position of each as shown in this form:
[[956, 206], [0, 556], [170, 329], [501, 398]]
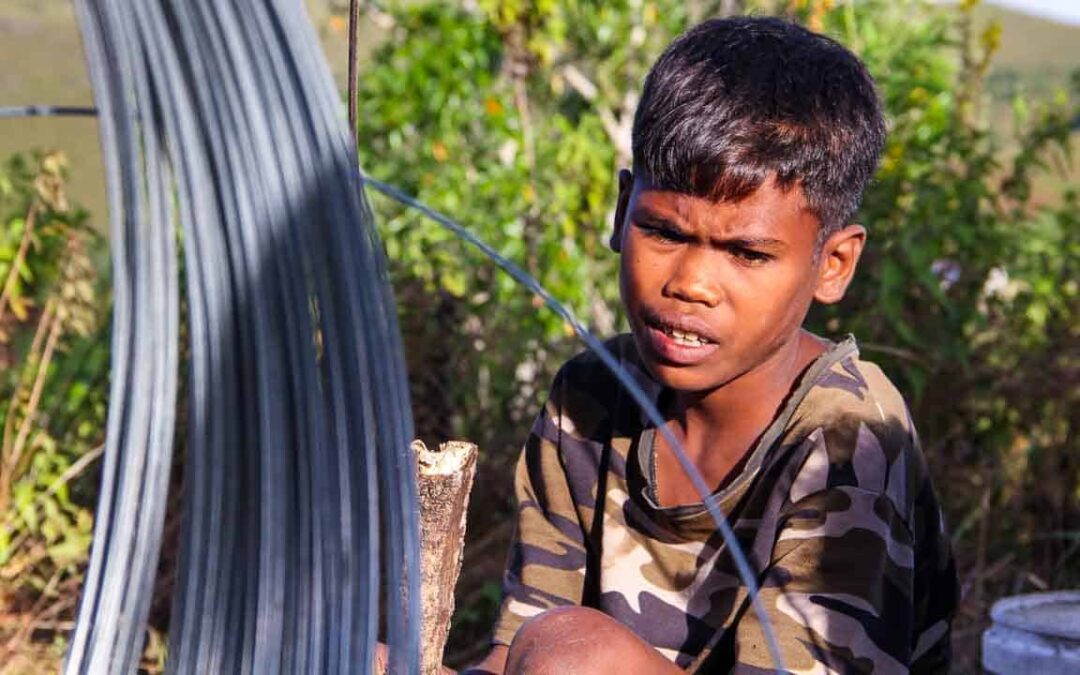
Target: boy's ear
[[626, 186], [838, 258]]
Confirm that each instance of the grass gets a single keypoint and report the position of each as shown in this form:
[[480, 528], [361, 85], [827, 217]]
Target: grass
[[43, 58]]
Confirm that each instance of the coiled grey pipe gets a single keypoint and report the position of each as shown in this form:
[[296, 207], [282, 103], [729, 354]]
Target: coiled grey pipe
[[221, 126], [142, 400]]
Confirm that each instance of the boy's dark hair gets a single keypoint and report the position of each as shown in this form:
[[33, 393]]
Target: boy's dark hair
[[733, 101]]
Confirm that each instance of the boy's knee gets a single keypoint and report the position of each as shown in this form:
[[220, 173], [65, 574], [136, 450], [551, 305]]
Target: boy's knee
[[577, 640], [561, 640]]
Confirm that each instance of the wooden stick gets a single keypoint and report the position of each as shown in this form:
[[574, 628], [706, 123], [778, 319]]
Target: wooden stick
[[445, 479], [354, 30]]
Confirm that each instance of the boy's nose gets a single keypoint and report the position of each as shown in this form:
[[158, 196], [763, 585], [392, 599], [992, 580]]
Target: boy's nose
[[691, 280]]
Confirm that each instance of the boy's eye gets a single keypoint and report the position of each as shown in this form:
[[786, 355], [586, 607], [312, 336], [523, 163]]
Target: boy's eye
[[661, 234], [749, 256]]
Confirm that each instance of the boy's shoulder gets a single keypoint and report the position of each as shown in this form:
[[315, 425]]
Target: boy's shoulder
[[859, 434], [847, 396]]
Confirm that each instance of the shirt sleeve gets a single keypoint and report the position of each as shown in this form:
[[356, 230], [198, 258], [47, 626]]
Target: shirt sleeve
[[546, 564], [839, 591]]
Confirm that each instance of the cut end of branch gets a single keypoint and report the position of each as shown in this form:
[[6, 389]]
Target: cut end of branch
[[451, 457]]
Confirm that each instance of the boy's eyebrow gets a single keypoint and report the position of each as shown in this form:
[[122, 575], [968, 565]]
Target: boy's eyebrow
[[645, 217], [651, 219], [750, 242]]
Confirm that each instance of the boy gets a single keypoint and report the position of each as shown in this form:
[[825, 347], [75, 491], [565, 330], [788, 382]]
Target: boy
[[752, 145]]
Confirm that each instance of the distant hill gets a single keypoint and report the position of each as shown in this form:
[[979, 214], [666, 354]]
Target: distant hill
[[1032, 44], [1036, 59], [1037, 55]]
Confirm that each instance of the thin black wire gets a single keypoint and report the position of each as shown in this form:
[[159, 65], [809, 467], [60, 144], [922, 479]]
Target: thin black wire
[[46, 111]]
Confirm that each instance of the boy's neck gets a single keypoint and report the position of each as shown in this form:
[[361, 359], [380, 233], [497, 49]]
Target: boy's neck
[[728, 420]]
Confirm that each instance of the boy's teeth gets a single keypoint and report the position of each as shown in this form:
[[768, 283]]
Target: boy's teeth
[[687, 338]]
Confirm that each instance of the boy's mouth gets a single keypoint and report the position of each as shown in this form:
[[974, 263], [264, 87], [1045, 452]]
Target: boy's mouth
[[680, 340], [685, 338], [682, 328]]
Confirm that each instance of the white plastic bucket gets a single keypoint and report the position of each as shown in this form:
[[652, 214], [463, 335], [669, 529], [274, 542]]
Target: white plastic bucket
[[1034, 634]]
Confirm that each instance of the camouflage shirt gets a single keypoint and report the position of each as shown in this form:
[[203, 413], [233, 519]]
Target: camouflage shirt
[[834, 509]]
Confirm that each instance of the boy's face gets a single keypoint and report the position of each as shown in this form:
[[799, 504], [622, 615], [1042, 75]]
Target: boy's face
[[715, 290]]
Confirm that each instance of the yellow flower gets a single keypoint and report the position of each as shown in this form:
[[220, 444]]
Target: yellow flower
[[991, 37], [439, 151]]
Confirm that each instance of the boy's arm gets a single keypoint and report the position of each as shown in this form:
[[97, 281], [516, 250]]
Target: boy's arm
[[845, 585]]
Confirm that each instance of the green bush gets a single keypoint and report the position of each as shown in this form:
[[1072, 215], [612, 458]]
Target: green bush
[[53, 379]]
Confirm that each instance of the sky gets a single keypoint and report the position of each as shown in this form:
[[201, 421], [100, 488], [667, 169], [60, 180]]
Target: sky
[[1065, 11]]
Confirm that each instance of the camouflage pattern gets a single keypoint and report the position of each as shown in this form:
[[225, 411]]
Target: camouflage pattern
[[834, 509]]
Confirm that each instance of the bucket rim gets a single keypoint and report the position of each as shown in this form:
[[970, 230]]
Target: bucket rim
[[1009, 611]]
